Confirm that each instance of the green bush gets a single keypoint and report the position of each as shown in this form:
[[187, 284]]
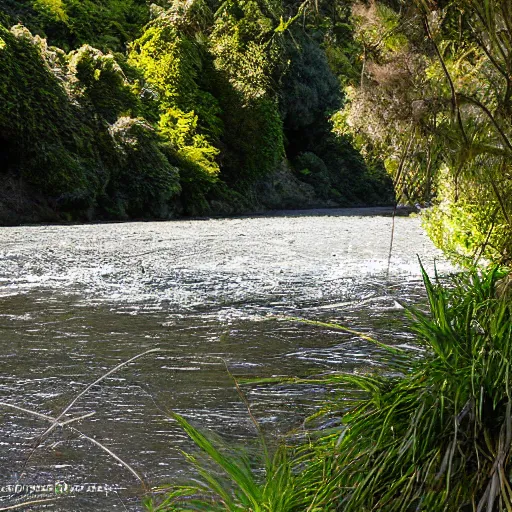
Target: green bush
[[227, 90], [246, 56], [437, 437], [38, 119], [310, 90], [312, 170], [62, 119], [145, 181], [171, 64], [99, 79], [69, 24], [253, 138]]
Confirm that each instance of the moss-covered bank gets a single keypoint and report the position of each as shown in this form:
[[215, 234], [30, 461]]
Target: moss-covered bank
[[181, 109]]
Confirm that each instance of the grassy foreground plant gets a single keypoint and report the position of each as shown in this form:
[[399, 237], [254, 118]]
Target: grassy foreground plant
[[237, 487], [436, 436]]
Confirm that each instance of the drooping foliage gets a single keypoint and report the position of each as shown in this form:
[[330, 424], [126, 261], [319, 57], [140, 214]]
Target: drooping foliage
[[246, 55], [59, 130], [311, 94], [172, 64], [145, 180], [37, 118], [99, 83], [434, 100]]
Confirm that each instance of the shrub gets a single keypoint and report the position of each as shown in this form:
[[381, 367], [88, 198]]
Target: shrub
[[37, 119], [98, 79], [145, 181], [312, 170]]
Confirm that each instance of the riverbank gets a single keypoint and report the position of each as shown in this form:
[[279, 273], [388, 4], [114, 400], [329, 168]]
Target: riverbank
[[281, 191]]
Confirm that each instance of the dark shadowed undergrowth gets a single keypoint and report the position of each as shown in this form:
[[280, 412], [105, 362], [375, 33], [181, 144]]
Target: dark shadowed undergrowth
[[434, 433]]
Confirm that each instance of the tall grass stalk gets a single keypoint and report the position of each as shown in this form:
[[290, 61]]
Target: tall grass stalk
[[435, 437]]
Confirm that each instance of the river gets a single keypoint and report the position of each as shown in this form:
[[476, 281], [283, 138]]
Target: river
[[77, 300]]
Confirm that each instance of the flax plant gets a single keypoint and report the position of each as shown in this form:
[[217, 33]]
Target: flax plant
[[432, 434], [437, 438]]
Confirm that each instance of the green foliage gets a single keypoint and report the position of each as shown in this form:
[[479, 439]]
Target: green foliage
[[171, 64], [180, 129], [221, 90], [99, 79], [310, 90], [106, 24], [310, 94], [194, 155], [314, 172], [54, 117], [433, 100], [433, 434], [246, 55], [342, 174], [254, 136], [53, 9], [145, 181], [37, 118], [359, 181], [245, 48], [436, 438], [467, 223]]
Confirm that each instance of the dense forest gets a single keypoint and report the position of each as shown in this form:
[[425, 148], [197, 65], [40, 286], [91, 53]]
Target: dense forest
[[114, 109]]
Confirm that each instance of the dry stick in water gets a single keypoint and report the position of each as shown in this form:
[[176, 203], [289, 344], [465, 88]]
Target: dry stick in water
[[56, 421], [342, 328], [248, 406], [391, 242], [52, 420], [112, 454], [396, 184], [97, 381]]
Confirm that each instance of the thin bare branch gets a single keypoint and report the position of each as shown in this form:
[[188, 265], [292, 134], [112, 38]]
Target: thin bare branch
[[27, 504], [455, 106], [112, 454], [57, 422], [45, 417]]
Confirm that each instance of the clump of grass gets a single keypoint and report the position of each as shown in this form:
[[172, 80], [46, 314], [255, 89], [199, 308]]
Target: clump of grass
[[435, 437], [238, 486], [439, 437]]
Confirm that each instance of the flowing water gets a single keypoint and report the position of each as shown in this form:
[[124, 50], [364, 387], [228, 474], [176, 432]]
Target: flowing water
[[214, 295]]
